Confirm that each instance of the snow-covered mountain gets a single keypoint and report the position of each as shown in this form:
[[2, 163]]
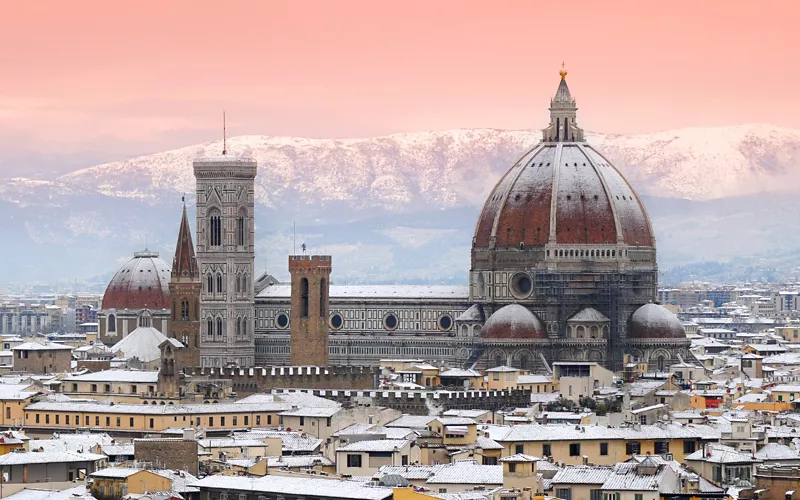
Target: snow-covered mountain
[[456, 167], [393, 208]]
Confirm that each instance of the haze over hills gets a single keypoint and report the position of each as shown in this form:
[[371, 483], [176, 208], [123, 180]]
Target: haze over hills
[[402, 207]]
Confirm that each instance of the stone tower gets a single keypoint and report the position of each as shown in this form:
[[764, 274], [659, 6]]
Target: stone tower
[[309, 309], [225, 255], [184, 290]]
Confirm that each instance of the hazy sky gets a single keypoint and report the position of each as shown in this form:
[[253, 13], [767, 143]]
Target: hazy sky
[[130, 77]]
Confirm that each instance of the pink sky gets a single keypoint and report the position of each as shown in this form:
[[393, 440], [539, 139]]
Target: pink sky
[[86, 74]]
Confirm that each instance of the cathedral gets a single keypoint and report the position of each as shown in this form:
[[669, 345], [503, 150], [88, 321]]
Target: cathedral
[[563, 268]]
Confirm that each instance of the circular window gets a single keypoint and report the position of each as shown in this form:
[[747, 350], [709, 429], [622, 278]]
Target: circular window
[[282, 320], [445, 322], [390, 321], [521, 285], [336, 321]]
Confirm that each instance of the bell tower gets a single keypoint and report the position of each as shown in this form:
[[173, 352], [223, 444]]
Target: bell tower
[[226, 258], [184, 291], [309, 309]]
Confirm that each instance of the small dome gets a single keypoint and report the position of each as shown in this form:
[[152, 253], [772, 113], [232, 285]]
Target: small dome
[[513, 322], [142, 282], [652, 321]]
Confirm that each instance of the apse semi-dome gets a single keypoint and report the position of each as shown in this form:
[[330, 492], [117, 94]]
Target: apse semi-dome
[[563, 191], [513, 322], [141, 283], [652, 321]]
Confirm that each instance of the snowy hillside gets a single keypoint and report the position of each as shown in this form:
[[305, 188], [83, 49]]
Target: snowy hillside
[[459, 167], [402, 208]]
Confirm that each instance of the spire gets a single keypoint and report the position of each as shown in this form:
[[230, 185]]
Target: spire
[[184, 265], [563, 115]]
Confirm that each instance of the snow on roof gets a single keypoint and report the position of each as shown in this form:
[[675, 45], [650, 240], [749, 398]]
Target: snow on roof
[[116, 376], [626, 477], [232, 442], [471, 414], [721, 454], [78, 492], [298, 399], [474, 313], [459, 292], [17, 392], [589, 315], [35, 346], [295, 442], [381, 445], [411, 421], [456, 420], [294, 461], [502, 369], [71, 442], [142, 343], [460, 372], [296, 487], [46, 457], [410, 471], [468, 473], [116, 472], [777, 451], [520, 457], [117, 449], [582, 474], [180, 480], [310, 412], [533, 379]]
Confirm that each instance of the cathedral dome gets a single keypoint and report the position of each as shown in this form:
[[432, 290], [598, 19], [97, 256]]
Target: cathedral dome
[[513, 322], [563, 191], [652, 321], [142, 282]]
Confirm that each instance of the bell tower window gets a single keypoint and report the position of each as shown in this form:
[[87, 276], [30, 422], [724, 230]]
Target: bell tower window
[[184, 310], [240, 229], [215, 229]]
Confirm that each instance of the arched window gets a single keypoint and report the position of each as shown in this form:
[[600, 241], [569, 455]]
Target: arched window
[[184, 310], [594, 331], [304, 297], [210, 284], [240, 229], [244, 326], [238, 327], [219, 284], [219, 327], [523, 362], [210, 327], [111, 323], [214, 229], [323, 302]]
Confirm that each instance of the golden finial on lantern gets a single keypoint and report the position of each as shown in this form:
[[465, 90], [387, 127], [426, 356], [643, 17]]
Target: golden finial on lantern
[[563, 71]]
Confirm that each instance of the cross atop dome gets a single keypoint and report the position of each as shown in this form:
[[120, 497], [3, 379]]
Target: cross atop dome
[[563, 115]]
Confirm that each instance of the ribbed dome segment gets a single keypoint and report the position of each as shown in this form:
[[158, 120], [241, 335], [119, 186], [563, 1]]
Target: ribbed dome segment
[[513, 322], [565, 193], [142, 282], [652, 321]]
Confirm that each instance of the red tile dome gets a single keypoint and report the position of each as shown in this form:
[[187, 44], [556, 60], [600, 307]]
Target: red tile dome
[[652, 321], [513, 322], [567, 193], [142, 282]]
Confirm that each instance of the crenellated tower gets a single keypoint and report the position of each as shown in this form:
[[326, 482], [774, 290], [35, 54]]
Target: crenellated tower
[[309, 309]]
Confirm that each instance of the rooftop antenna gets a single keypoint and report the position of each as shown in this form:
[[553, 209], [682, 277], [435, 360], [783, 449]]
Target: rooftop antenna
[[224, 135]]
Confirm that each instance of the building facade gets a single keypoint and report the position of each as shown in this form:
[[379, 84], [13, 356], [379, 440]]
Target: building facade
[[225, 257], [563, 268]]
